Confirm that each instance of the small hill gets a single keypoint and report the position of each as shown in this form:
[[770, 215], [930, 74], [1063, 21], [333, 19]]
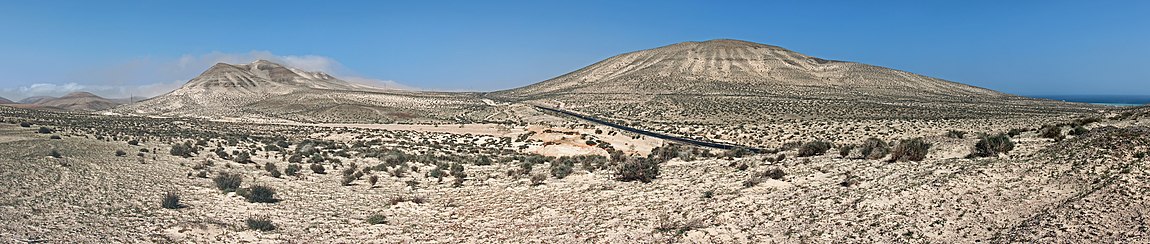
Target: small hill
[[267, 91], [77, 101], [6, 101], [732, 80]]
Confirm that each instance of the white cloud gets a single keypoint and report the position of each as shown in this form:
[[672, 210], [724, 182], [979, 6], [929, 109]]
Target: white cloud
[[139, 77]]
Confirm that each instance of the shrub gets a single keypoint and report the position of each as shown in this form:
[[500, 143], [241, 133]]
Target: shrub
[[910, 150], [562, 167], [260, 223], [243, 157], [638, 169], [121, 153], [317, 168], [776, 174], [347, 180], [134, 143], [814, 148], [377, 219], [874, 148], [845, 150], [1051, 132], [228, 182], [525, 167], [538, 179], [261, 194], [54, 153], [372, 180], [181, 150], [956, 134], [989, 146], [272, 169], [54, 137], [1078, 130], [1014, 132], [45, 130], [457, 170], [292, 169], [25, 124], [171, 201]]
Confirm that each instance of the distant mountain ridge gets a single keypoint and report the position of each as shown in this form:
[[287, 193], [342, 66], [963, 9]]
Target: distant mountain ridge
[[267, 91], [733, 80]]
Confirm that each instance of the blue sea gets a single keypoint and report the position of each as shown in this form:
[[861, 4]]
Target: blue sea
[[1109, 100]]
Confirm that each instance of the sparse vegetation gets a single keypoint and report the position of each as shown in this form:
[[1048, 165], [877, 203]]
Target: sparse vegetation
[[562, 167], [317, 168], [874, 148], [910, 150], [292, 169], [260, 223], [171, 201], [638, 169], [377, 219], [261, 194], [989, 146], [814, 148], [272, 169], [228, 182]]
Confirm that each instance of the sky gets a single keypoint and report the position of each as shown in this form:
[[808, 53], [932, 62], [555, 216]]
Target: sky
[[147, 48]]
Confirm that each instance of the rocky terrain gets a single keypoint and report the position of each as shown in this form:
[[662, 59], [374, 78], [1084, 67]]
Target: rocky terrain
[[840, 152], [93, 178]]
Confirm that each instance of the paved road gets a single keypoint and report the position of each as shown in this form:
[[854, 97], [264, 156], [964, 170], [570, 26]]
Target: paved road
[[651, 133]]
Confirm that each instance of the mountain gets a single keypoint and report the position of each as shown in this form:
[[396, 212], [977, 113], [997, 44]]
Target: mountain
[[35, 99], [76, 101], [266, 91], [732, 80], [6, 101]]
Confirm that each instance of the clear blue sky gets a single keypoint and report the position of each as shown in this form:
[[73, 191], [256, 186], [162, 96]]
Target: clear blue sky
[[1020, 47]]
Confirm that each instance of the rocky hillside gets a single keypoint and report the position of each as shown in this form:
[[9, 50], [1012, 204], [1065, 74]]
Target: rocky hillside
[[739, 80], [266, 91]]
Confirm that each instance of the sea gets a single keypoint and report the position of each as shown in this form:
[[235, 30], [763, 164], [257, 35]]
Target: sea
[[1108, 100]]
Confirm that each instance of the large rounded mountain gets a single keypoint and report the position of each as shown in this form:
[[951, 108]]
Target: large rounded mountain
[[733, 80]]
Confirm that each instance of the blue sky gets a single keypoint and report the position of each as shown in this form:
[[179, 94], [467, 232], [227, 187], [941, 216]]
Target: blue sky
[[149, 47]]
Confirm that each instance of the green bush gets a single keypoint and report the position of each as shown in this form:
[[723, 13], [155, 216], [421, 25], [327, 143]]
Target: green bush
[[292, 169], [260, 223], [272, 169], [261, 194], [377, 219], [182, 150], [989, 146], [910, 150], [638, 169], [228, 182], [562, 167], [1051, 132], [814, 148], [171, 201], [874, 148], [318, 169]]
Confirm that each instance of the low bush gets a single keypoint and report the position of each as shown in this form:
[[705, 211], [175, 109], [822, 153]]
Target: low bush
[[55, 137], [228, 182], [1051, 132], [874, 148], [292, 169], [1078, 130], [814, 148], [638, 169], [261, 194], [171, 201], [260, 223], [318, 169], [538, 179], [54, 153], [989, 146], [910, 150], [377, 219], [845, 150], [25, 124], [121, 153], [956, 134], [272, 169], [45, 130], [562, 167]]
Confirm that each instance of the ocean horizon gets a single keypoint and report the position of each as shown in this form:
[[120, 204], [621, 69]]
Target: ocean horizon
[[1109, 100]]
